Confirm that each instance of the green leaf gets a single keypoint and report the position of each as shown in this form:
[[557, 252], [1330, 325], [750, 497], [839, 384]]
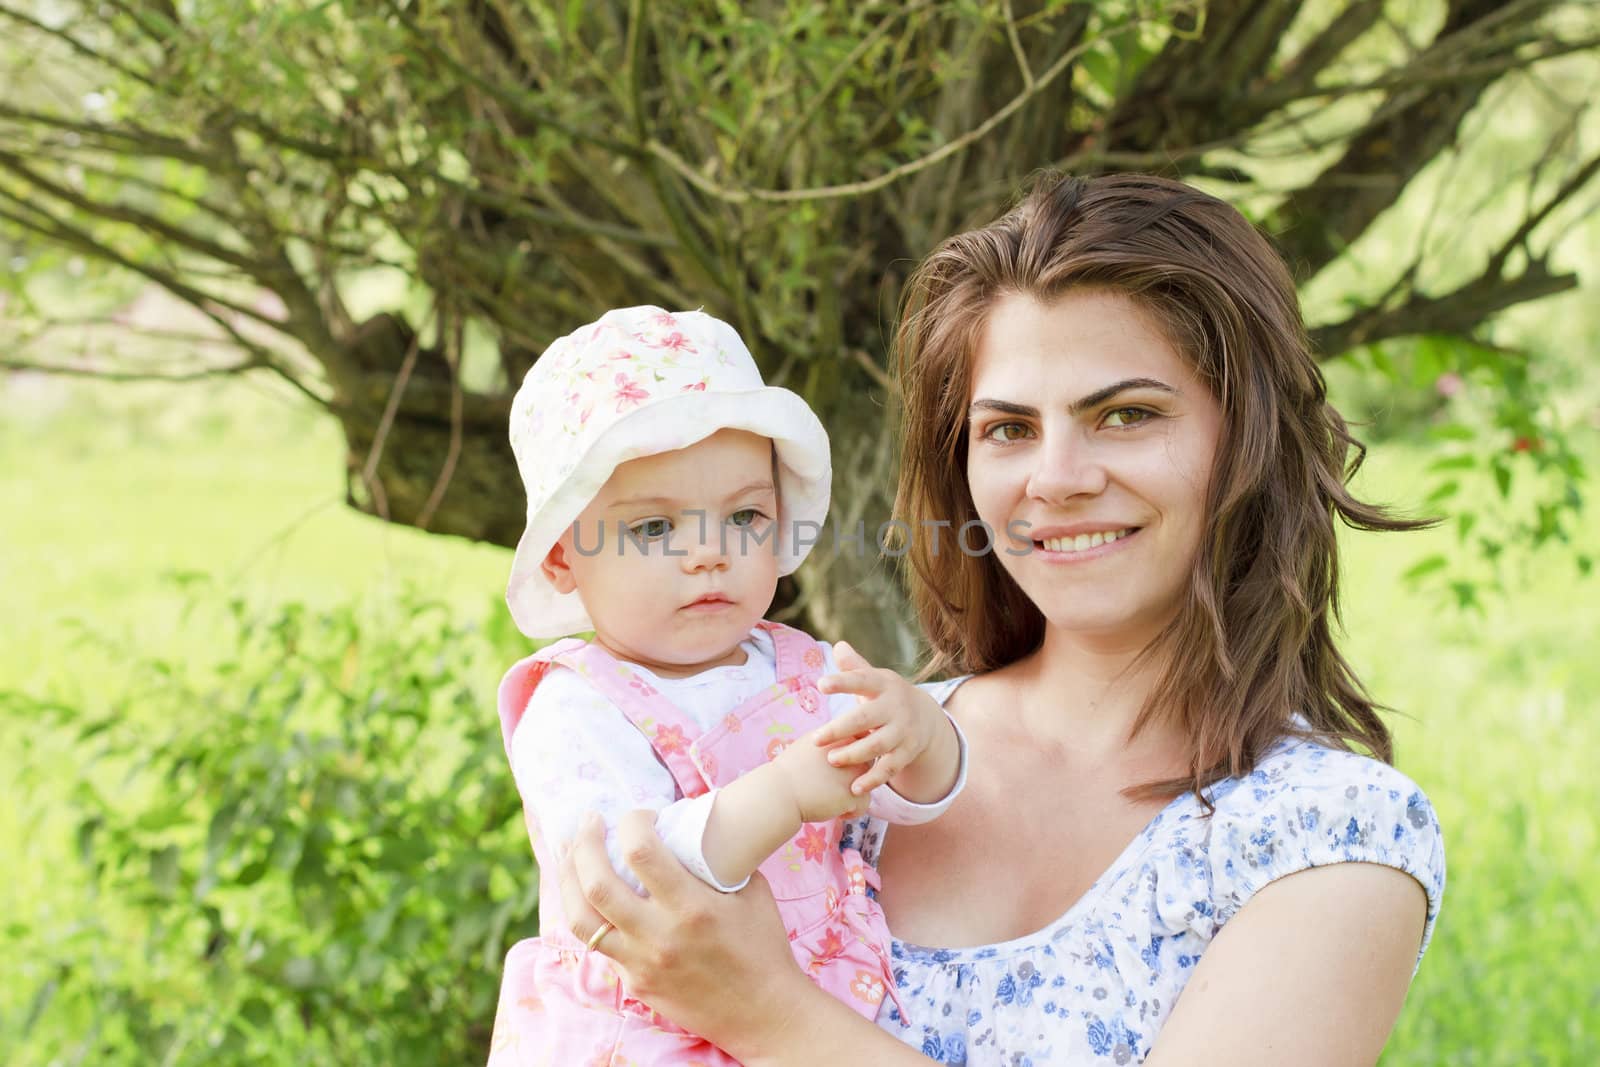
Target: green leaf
[[1466, 594], [164, 869], [1502, 477], [1452, 431], [1427, 565]]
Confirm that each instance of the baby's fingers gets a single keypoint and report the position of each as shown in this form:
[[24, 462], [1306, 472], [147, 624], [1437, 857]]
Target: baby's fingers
[[885, 769], [866, 683], [852, 724], [879, 742]]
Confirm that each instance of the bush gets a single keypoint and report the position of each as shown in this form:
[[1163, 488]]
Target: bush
[[304, 847]]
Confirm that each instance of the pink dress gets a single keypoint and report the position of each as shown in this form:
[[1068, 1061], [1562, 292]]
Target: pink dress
[[564, 1007]]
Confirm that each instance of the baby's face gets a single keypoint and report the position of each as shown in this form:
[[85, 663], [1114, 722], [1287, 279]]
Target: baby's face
[[675, 559]]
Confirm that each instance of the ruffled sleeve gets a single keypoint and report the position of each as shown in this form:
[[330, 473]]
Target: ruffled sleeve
[[1309, 806]]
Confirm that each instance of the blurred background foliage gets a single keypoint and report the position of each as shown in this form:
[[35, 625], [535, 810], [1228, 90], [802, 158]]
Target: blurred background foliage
[[260, 812]]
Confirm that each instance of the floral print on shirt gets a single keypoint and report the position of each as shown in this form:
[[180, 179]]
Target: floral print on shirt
[[1096, 985]]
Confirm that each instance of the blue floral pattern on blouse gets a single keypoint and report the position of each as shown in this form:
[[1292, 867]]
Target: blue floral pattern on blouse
[[1096, 985]]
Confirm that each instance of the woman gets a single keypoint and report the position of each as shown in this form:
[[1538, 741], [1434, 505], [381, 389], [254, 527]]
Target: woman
[[1163, 796]]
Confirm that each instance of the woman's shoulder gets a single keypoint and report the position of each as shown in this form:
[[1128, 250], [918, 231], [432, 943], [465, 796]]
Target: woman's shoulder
[[1309, 804], [1306, 773]]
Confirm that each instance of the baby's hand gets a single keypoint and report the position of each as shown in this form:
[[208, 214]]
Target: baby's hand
[[820, 788], [894, 724]]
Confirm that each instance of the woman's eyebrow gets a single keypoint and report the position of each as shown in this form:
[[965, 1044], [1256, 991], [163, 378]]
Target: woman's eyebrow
[[1077, 407], [1003, 407], [1100, 396]]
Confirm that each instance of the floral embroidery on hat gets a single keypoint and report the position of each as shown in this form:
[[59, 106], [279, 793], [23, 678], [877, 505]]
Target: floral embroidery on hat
[[628, 392], [677, 342]]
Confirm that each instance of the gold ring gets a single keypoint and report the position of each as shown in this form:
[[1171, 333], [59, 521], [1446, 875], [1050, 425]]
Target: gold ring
[[599, 935]]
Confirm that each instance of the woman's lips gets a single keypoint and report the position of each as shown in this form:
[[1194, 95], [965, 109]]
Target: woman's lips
[[1083, 546]]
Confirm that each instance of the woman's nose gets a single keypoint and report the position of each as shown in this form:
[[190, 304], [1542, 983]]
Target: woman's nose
[[1067, 466]]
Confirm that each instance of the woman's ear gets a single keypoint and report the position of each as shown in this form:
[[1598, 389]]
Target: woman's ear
[[557, 570]]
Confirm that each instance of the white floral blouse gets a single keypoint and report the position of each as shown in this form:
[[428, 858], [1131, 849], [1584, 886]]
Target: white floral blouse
[[1096, 985]]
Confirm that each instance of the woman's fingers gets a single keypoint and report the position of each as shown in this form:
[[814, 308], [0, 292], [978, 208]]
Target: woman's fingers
[[592, 894], [667, 881]]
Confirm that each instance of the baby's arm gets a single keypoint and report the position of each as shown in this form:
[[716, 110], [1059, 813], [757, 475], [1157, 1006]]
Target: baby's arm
[[760, 810], [918, 750], [575, 753]]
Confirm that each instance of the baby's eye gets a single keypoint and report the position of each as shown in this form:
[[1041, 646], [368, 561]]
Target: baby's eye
[[1006, 432], [651, 529], [746, 517], [1128, 416]]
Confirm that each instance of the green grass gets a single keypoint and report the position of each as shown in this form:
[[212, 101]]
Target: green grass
[[1498, 730], [107, 491]]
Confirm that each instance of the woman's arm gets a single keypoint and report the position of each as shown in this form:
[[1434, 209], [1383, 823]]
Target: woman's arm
[[716, 964], [1312, 971]]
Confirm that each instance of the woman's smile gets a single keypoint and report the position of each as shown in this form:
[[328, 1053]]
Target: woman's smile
[[1082, 547]]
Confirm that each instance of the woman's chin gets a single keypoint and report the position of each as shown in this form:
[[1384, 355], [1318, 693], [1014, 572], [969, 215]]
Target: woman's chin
[[1120, 625]]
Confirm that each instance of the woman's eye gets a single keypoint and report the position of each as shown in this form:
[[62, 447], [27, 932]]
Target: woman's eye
[[1006, 432], [745, 517], [651, 529], [1127, 416]]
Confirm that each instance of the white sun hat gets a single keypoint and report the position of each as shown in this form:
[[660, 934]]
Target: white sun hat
[[639, 382]]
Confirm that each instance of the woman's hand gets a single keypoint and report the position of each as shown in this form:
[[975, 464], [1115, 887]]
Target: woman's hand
[[717, 964]]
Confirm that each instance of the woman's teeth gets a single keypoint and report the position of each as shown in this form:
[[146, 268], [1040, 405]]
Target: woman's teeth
[[1084, 542]]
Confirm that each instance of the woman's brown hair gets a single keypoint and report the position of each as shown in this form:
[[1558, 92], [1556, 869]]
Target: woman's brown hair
[[1250, 657]]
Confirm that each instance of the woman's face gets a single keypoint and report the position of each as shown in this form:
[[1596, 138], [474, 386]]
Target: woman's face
[[1091, 445]]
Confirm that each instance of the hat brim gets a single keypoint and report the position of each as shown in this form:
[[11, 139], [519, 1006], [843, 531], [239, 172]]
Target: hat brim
[[804, 481]]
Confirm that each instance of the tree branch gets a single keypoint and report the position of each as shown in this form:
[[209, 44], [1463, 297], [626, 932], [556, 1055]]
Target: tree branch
[[830, 84], [1421, 74], [67, 370], [134, 139], [739, 195], [1024, 68], [1568, 189], [130, 217], [516, 102], [67, 234], [1319, 221], [1199, 86], [1457, 312], [77, 46], [1300, 73], [1464, 308]]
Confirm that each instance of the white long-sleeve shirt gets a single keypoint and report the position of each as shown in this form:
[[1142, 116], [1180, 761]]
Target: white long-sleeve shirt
[[575, 752]]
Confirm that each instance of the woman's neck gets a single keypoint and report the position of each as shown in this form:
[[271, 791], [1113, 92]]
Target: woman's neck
[[1088, 692]]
